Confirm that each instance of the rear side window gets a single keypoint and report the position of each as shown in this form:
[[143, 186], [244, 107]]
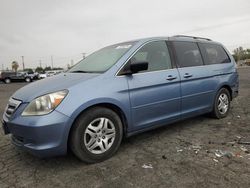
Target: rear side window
[[214, 54], [156, 54], [188, 54]]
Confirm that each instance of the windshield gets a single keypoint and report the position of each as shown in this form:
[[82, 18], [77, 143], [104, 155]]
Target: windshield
[[101, 60]]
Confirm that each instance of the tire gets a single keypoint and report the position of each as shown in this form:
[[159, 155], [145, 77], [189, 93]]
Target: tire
[[87, 148], [221, 104], [27, 79], [7, 80]]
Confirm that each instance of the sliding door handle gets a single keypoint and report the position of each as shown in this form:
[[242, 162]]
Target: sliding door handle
[[170, 77], [187, 75]]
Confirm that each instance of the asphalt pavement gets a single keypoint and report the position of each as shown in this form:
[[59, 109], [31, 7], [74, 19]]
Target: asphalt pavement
[[198, 152]]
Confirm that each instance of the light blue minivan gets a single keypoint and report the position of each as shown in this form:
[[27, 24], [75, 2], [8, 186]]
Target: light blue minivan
[[121, 90]]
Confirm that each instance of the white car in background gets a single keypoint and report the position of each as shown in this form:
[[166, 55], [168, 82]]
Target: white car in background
[[49, 73], [53, 72], [42, 75]]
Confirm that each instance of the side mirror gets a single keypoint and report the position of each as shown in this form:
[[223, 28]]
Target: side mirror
[[138, 66], [135, 67]]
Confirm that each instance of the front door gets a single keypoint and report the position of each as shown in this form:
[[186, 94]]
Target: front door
[[154, 93]]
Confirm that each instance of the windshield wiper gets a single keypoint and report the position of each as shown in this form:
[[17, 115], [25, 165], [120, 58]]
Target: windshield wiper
[[80, 71]]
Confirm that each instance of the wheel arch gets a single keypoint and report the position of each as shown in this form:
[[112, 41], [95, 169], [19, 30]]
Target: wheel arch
[[118, 110], [227, 86]]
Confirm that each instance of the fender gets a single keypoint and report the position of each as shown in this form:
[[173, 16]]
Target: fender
[[94, 102]]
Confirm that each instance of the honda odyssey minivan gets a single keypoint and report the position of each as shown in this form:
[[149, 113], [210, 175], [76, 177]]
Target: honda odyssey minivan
[[119, 91]]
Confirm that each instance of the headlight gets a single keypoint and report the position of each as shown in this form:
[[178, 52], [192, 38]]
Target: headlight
[[44, 104]]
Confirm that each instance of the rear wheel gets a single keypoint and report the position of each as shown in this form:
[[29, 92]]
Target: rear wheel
[[222, 104], [7, 80], [96, 135]]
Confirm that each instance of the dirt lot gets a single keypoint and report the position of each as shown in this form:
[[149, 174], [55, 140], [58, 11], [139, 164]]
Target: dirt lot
[[181, 155]]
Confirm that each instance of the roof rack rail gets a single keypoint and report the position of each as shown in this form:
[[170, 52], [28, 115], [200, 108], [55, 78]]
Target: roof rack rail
[[192, 37]]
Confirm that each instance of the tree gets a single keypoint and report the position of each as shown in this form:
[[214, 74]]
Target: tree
[[39, 69], [47, 68], [238, 53], [15, 65], [29, 70], [241, 54], [57, 68], [235, 57]]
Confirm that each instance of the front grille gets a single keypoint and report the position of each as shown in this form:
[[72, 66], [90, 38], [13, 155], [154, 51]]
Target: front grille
[[17, 140], [12, 106]]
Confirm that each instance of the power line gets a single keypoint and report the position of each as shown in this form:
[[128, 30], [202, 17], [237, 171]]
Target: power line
[[217, 25]]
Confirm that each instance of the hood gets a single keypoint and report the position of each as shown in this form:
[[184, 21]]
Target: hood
[[50, 84]]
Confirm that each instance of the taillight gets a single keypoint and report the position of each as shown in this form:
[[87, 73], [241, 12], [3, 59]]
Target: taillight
[[236, 67]]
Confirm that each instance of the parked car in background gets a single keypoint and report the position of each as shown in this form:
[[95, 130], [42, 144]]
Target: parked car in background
[[119, 91], [53, 72], [50, 73], [10, 76], [42, 75], [32, 75]]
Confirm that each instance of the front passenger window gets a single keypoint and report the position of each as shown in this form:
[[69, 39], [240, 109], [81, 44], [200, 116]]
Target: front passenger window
[[156, 54]]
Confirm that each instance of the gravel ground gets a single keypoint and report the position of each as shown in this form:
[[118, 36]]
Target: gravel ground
[[198, 152]]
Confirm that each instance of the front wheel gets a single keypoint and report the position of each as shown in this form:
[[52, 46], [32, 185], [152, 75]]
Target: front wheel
[[221, 104], [96, 135]]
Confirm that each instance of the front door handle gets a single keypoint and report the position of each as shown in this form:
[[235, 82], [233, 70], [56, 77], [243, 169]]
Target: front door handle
[[187, 75], [170, 77]]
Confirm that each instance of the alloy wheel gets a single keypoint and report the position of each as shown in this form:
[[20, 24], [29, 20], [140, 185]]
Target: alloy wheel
[[99, 135], [223, 103]]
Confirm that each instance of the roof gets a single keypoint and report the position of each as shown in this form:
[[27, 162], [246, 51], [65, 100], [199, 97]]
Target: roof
[[176, 38]]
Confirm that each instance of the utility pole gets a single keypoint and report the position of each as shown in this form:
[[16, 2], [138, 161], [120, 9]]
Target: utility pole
[[51, 62], [23, 62], [83, 55], [40, 63]]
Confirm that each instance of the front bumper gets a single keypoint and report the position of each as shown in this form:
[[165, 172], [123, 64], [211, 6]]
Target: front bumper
[[43, 136]]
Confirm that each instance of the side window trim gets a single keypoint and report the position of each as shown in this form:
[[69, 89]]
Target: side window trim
[[171, 54], [175, 60], [223, 48], [228, 57], [203, 60]]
